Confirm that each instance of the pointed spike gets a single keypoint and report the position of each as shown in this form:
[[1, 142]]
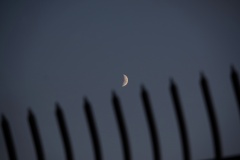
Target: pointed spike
[[171, 80], [57, 104], [150, 121], [115, 99], [233, 71], [30, 113], [4, 120], [86, 102], [143, 90], [58, 108], [114, 95], [172, 84], [202, 76], [232, 68], [8, 138]]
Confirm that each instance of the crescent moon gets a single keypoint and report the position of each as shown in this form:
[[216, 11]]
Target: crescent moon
[[125, 80]]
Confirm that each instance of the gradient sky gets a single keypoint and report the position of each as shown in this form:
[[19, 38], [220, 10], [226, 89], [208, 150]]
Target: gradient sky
[[60, 52]]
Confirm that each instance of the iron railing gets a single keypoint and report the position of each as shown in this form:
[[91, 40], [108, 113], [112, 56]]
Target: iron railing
[[9, 142]]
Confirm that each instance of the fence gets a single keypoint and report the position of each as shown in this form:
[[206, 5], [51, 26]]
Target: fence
[[156, 149]]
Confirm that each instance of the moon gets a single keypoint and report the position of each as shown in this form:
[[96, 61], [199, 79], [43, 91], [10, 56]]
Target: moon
[[125, 80]]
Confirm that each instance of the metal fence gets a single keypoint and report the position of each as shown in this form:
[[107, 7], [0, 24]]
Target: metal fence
[[156, 149]]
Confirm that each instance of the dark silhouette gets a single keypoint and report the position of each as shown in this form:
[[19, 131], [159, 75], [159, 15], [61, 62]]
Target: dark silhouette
[[151, 124], [64, 133], [8, 139], [212, 117], [181, 121], [35, 135], [236, 85], [121, 126], [93, 130]]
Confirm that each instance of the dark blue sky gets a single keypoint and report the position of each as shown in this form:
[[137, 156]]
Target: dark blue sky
[[58, 51]]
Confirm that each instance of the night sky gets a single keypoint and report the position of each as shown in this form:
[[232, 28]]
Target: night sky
[[63, 51]]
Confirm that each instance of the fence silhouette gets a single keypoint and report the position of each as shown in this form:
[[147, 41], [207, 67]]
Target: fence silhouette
[[9, 142]]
